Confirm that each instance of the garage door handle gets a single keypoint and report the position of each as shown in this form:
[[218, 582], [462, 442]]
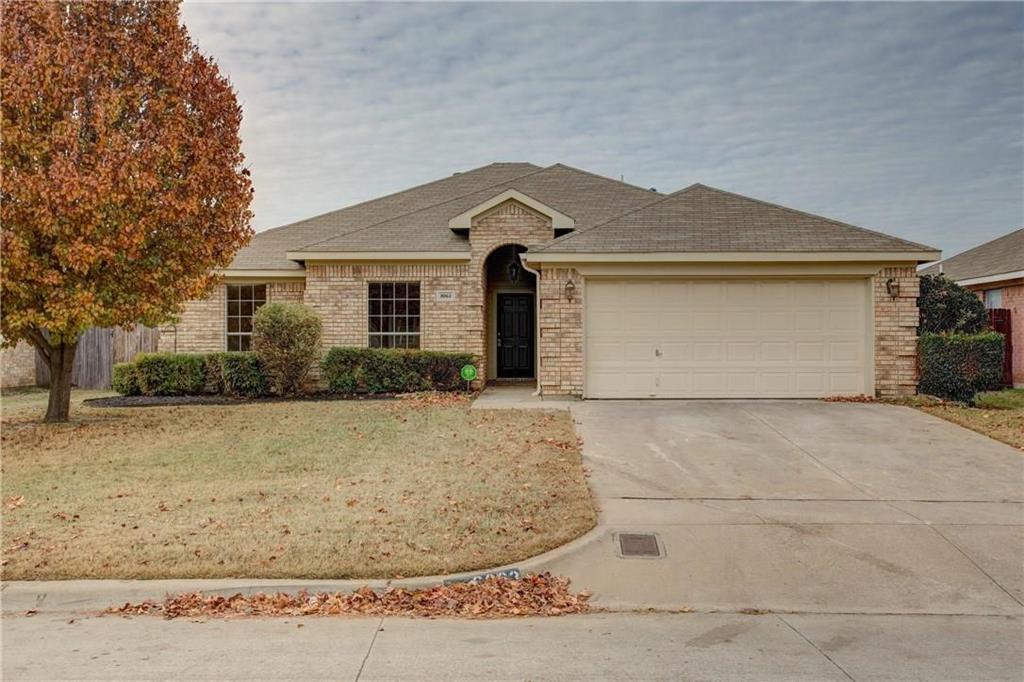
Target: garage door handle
[[657, 352]]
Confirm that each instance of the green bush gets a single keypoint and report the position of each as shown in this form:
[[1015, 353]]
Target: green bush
[[286, 338], [957, 366], [385, 370], [945, 306], [170, 373], [124, 379], [237, 374], [234, 374]]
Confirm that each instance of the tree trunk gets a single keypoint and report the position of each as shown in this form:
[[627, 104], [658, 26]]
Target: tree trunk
[[61, 360]]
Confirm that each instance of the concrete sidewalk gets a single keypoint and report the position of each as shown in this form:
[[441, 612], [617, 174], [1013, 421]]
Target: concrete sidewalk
[[590, 647]]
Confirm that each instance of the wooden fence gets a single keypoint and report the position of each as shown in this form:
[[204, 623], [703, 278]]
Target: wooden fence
[[1001, 321], [98, 350]]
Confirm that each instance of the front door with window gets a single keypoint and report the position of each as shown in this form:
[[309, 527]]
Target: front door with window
[[515, 335]]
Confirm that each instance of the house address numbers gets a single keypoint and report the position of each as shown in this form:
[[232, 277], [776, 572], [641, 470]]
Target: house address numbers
[[446, 295]]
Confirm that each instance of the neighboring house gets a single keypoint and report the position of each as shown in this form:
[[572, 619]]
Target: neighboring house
[[995, 271], [591, 287], [18, 366]]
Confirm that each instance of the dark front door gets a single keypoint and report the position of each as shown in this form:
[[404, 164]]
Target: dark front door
[[515, 335]]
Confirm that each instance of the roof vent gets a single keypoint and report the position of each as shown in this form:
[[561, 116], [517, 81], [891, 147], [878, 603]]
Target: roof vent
[[653, 189]]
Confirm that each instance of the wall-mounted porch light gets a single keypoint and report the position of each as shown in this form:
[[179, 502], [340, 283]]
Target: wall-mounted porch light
[[570, 291], [892, 287], [515, 270]]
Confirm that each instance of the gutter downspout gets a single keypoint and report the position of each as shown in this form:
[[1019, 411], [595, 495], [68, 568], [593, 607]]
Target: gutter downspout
[[536, 323]]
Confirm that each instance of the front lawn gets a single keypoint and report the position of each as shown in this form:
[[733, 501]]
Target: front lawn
[[999, 415], [310, 489]]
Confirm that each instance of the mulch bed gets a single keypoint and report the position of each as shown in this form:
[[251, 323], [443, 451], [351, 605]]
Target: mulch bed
[[184, 400], [494, 597]]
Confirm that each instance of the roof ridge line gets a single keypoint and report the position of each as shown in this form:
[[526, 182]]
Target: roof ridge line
[[815, 215], [389, 195], [605, 177], [576, 233], [422, 208]]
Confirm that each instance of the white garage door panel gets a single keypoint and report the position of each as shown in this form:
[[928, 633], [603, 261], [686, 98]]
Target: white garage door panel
[[726, 338]]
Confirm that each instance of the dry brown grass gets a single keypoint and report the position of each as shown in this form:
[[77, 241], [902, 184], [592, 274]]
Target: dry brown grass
[[1003, 425], [337, 489]]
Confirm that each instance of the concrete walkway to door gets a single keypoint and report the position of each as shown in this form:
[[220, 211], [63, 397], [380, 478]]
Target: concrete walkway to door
[[800, 506]]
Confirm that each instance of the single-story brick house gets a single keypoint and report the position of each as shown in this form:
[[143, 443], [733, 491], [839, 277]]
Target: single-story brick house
[[591, 287], [995, 271]]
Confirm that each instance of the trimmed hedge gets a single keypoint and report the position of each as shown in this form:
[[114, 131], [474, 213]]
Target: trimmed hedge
[[958, 366], [237, 374], [124, 379], [387, 370], [170, 373], [234, 374]]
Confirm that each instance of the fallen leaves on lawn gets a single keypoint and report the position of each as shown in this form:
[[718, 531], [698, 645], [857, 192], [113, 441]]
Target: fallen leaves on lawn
[[494, 597], [434, 399], [15, 501]]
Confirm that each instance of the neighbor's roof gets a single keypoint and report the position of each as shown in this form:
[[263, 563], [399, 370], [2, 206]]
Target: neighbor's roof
[[704, 219], [417, 219], [1005, 254]]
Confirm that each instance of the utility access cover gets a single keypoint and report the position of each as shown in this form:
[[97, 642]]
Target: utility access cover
[[639, 545]]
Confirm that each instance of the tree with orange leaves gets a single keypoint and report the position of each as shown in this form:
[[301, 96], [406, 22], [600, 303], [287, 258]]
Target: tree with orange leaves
[[123, 183]]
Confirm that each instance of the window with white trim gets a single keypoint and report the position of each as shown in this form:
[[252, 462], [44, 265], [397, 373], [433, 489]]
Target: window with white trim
[[243, 301], [394, 315], [993, 298]]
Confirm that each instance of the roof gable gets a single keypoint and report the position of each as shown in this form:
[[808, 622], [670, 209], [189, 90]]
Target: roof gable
[[464, 220]]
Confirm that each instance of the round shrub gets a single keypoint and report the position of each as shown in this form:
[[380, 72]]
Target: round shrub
[[947, 307], [286, 339]]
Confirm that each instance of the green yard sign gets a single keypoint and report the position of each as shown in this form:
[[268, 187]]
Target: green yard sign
[[468, 372]]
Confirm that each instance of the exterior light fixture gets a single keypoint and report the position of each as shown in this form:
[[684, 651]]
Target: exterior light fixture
[[515, 270], [892, 287], [570, 291]]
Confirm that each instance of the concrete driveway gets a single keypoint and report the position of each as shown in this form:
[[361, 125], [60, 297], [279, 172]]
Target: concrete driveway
[[801, 506]]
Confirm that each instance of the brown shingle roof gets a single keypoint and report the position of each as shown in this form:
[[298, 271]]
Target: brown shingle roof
[[705, 219], [587, 198], [267, 249], [1004, 254], [611, 216]]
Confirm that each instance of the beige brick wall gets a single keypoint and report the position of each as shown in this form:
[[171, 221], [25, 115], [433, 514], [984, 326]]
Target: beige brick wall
[[18, 366], [202, 327], [338, 292], [561, 333], [896, 323]]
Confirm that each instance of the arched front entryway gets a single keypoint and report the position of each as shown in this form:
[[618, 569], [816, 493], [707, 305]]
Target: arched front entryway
[[511, 293]]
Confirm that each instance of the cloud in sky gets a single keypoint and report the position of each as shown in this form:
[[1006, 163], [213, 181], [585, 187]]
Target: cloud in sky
[[907, 118]]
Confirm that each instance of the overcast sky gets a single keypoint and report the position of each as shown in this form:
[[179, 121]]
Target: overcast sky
[[907, 118]]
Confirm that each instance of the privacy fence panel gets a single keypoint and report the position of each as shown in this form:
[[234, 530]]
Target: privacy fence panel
[[98, 350]]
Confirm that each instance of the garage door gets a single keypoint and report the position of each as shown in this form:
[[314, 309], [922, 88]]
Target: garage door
[[739, 338]]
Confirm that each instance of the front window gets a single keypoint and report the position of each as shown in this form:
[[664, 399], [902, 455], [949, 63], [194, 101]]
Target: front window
[[243, 300], [394, 315], [993, 298]]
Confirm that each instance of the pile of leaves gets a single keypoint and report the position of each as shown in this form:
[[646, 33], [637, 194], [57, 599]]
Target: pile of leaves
[[849, 399], [494, 597]]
